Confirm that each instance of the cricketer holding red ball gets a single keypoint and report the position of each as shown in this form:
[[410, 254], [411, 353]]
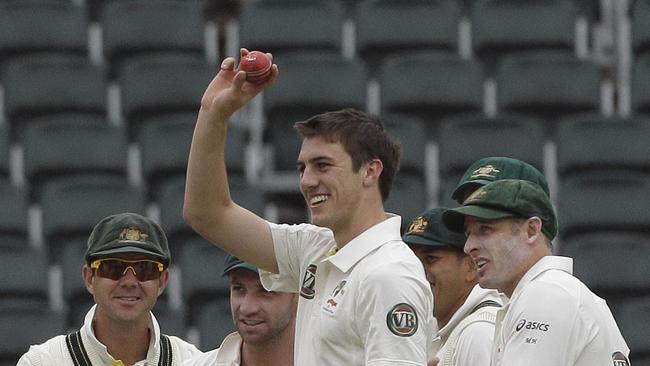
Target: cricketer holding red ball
[[364, 298]]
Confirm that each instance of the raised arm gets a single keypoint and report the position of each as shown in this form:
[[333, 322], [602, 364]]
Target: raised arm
[[208, 207]]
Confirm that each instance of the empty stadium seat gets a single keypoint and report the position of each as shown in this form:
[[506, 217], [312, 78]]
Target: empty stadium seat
[[599, 201], [467, 138], [52, 84], [387, 27], [593, 263], [73, 205], [500, 27], [214, 322], [407, 198], [413, 137], [13, 218], [153, 86], [640, 26], [76, 297], [171, 321], [548, 85], [24, 328], [4, 152], [640, 85], [135, 27], [63, 148], [607, 145], [24, 284], [632, 316], [28, 26], [200, 264], [286, 26], [430, 86]]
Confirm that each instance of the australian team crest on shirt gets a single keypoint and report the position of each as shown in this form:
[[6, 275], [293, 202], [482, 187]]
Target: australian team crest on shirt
[[332, 303], [308, 282], [402, 320]]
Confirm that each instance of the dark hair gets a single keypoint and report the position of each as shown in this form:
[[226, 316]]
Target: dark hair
[[363, 137]]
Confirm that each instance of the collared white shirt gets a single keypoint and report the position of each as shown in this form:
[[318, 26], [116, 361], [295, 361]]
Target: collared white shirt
[[228, 354], [55, 352], [366, 304], [468, 336], [552, 318]]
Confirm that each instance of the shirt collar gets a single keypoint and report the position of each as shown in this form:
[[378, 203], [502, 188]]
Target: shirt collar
[[475, 297], [546, 263], [89, 338], [369, 240], [230, 349]]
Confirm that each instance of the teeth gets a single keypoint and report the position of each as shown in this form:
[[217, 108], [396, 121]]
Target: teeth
[[318, 199], [480, 264], [251, 322]]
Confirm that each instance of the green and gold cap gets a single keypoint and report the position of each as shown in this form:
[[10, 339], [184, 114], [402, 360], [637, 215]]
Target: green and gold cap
[[505, 198], [127, 233], [490, 169], [428, 229]]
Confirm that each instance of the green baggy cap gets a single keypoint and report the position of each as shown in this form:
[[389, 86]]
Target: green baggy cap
[[505, 198], [490, 169], [428, 229], [127, 233]]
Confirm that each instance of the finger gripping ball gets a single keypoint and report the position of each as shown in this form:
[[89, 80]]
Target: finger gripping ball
[[257, 66]]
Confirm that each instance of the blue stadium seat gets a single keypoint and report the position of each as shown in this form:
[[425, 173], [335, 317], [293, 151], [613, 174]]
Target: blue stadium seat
[[640, 85], [430, 86], [501, 27], [37, 27], [388, 27], [52, 84], [153, 86], [287, 26], [140, 27], [63, 148], [13, 219]]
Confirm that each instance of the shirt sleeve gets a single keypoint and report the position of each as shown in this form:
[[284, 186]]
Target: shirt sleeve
[[395, 317], [293, 245]]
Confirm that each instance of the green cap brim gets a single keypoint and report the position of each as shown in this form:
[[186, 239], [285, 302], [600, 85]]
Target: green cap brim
[[454, 219], [419, 240], [457, 195], [128, 249]]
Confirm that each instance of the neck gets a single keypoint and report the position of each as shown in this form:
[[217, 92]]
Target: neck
[[126, 342], [365, 217], [443, 317]]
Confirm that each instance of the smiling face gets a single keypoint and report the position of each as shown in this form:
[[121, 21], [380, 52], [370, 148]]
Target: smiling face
[[330, 186], [260, 316], [125, 301], [499, 251], [452, 276]]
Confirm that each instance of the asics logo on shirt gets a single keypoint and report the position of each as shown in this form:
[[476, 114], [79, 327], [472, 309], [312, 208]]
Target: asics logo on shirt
[[532, 325]]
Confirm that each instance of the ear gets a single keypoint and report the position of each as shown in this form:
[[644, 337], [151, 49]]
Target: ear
[[373, 170], [533, 229], [162, 281], [87, 274]]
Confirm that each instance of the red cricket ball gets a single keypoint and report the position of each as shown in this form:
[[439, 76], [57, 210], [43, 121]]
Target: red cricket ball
[[257, 66]]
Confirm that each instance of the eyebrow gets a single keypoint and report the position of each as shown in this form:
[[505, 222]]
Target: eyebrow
[[315, 159]]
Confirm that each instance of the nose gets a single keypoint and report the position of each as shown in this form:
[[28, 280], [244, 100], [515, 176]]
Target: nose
[[470, 245], [307, 180], [249, 305], [129, 275]]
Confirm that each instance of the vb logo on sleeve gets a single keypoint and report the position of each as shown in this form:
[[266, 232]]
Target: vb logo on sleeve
[[402, 320]]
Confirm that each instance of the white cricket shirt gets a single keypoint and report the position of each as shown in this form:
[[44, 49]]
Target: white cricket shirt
[[228, 354], [552, 318], [367, 304], [468, 336]]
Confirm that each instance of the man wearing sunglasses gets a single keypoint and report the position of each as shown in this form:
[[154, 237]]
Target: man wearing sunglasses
[[127, 260]]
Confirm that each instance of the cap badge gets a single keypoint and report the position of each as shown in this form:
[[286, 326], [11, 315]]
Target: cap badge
[[476, 195], [488, 171], [418, 225], [132, 234]]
